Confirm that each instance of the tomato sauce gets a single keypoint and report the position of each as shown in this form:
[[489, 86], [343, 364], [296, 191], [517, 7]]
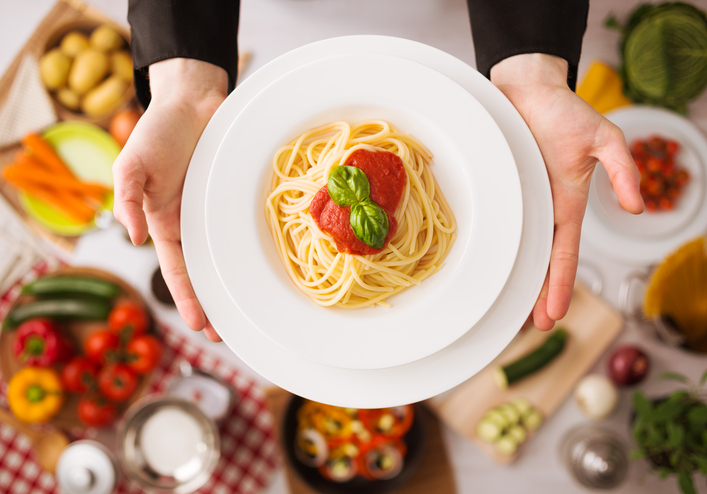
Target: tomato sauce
[[386, 177]]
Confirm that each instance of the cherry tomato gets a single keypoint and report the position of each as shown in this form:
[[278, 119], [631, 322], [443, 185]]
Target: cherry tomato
[[656, 144], [143, 353], [79, 374], [672, 147], [96, 412], [117, 382], [128, 319], [651, 205], [100, 345], [666, 204], [654, 165]]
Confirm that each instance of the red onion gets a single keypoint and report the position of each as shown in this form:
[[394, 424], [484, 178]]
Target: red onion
[[628, 365]]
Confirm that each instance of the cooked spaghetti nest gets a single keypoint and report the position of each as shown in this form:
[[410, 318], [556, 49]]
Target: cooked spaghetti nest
[[426, 225]]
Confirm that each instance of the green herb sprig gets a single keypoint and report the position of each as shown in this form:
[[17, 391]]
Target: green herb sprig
[[672, 433], [348, 186]]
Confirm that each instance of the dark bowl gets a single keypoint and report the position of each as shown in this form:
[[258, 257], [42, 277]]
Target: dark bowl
[[416, 440]]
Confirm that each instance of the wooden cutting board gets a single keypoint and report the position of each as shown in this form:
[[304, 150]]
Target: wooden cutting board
[[592, 326]]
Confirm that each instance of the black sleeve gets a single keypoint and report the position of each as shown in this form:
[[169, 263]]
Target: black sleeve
[[201, 29], [503, 28]]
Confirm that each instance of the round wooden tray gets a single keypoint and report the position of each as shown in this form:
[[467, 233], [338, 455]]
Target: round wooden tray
[[76, 332]]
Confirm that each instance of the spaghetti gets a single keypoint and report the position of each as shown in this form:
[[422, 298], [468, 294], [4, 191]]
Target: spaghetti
[[425, 224]]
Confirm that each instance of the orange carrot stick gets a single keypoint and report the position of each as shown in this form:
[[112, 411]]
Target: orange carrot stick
[[44, 153], [28, 167], [65, 203]]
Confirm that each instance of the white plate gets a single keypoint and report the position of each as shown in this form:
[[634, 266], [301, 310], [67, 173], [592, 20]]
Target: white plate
[[423, 378], [486, 201], [647, 238]]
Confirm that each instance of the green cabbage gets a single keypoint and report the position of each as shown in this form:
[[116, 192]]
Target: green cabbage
[[664, 54]]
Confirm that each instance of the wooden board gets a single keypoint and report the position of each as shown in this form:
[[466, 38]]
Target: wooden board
[[592, 325], [65, 13], [434, 475], [77, 332]]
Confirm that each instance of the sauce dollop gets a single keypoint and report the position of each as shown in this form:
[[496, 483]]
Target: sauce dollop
[[387, 178]]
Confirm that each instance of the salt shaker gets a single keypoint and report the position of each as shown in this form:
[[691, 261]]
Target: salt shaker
[[595, 457], [87, 467]]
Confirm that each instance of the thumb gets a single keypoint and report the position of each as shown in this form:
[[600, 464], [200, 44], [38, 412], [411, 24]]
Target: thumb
[[129, 179], [618, 162]]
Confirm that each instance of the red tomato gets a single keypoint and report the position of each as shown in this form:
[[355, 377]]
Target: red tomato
[[117, 382], [128, 318], [143, 353], [666, 204], [100, 345], [78, 375], [672, 147], [654, 165], [96, 412]]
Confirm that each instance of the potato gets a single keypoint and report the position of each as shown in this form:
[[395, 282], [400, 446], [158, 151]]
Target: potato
[[68, 98], [73, 43], [54, 68], [105, 38], [89, 68], [105, 97], [121, 64]]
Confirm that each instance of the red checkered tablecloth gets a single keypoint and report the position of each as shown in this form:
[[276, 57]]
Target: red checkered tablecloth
[[249, 453]]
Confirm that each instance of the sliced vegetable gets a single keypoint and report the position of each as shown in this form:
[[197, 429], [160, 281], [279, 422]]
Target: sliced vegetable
[[533, 420], [340, 469], [383, 463], [311, 447], [494, 415], [70, 285], [488, 430], [532, 362], [507, 445], [510, 412], [522, 405], [519, 433], [62, 309]]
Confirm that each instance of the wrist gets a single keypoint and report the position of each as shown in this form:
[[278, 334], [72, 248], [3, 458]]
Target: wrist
[[530, 69], [197, 85]]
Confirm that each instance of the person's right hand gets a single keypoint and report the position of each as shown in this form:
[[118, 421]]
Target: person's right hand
[[149, 173]]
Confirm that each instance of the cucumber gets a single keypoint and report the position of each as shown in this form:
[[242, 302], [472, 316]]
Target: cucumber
[[63, 309], [72, 285], [532, 362]]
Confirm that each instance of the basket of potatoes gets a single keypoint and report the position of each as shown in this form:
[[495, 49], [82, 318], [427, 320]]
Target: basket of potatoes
[[88, 70]]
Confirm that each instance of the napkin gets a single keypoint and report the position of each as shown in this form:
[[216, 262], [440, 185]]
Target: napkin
[[28, 107]]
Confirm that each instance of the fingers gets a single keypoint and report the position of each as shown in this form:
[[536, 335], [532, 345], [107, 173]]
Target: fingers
[[625, 178], [540, 318], [129, 183], [211, 333], [174, 271]]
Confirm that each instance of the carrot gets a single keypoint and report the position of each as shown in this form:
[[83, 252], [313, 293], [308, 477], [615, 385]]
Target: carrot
[[28, 167], [44, 153], [64, 202]]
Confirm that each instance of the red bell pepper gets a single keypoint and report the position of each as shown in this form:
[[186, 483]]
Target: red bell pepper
[[39, 342]]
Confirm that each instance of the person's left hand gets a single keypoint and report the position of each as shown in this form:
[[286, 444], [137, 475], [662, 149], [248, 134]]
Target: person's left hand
[[572, 137]]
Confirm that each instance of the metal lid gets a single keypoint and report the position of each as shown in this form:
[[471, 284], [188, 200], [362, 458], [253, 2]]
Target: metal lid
[[596, 457], [86, 467]]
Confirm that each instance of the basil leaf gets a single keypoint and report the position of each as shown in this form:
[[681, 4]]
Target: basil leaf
[[370, 223], [348, 185]]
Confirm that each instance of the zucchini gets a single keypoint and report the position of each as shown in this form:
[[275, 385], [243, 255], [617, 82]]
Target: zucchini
[[61, 309], [511, 413], [494, 415], [507, 445], [72, 285], [488, 430], [522, 405], [519, 433], [533, 420], [532, 362]]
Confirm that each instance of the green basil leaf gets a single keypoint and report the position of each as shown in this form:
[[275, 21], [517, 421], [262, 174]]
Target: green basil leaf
[[369, 223], [348, 185]]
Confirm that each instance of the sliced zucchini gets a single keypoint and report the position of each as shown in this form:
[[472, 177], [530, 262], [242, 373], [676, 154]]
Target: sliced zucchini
[[507, 445], [533, 420], [494, 415], [511, 413], [519, 433], [488, 431], [522, 405]]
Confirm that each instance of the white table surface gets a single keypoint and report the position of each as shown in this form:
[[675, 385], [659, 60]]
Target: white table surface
[[272, 27]]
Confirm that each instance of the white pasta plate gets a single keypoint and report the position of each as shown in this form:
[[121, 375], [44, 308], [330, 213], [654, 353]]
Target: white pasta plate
[[473, 166], [418, 380], [646, 238]]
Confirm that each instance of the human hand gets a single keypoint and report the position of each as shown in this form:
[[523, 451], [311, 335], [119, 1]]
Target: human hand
[[572, 137], [149, 173]]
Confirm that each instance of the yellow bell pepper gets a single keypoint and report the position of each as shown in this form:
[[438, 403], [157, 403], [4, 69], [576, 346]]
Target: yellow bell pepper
[[35, 394], [602, 88]]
